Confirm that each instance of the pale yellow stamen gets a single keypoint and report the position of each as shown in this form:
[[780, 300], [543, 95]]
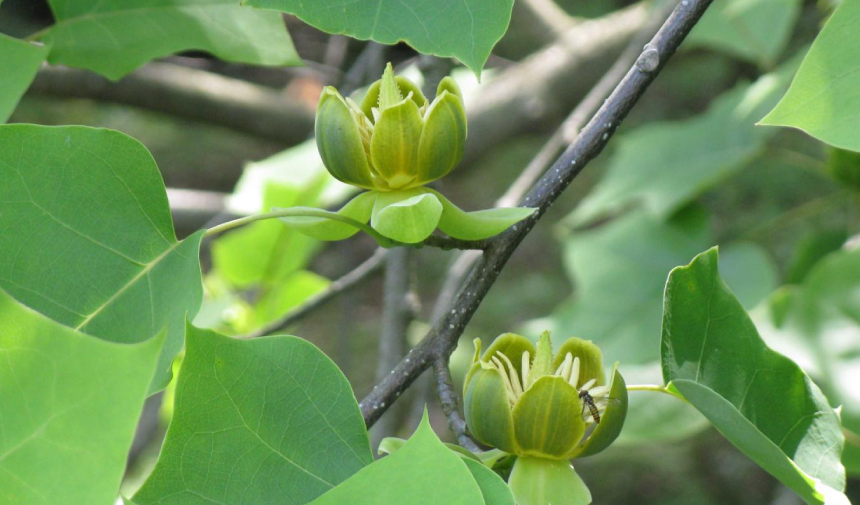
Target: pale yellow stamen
[[598, 392], [513, 377], [526, 364], [588, 384], [574, 373], [509, 388]]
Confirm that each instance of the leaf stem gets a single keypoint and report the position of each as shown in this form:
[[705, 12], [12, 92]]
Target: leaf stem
[[851, 437], [656, 389], [229, 225]]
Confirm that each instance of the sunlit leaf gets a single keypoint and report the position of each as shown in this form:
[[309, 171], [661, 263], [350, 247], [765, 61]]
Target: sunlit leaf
[[69, 404], [264, 421], [825, 95], [88, 238], [464, 29], [421, 472], [114, 38]]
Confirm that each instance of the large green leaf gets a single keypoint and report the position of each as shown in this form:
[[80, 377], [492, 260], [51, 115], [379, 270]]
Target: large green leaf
[[620, 269], [818, 325], [422, 472], [756, 30], [662, 166], [88, 239], [264, 421], [69, 404], [759, 399], [824, 98], [464, 29], [114, 38], [19, 62]]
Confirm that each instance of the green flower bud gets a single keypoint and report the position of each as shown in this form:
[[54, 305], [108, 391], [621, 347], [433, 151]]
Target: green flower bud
[[396, 139], [529, 402]]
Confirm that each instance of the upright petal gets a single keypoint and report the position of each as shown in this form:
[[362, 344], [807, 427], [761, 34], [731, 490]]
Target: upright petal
[[548, 419], [444, 138], [590, 357], [394, 146], [371, 98], [339, 141], [487, 409]]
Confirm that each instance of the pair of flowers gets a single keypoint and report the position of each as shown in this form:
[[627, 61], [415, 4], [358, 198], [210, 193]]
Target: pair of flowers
[[544, 408]]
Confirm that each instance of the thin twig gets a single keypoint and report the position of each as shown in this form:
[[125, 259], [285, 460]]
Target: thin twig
[[442, 339], [450, 400], [336, 288], [399, 307]]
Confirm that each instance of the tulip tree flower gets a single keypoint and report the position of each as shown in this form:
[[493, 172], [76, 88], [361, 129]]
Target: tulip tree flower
[[392, 144], [534, 404]]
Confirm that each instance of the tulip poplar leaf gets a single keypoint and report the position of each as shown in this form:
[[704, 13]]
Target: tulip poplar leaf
[[664, 166], [756, 30], [329, 228], [69, 405], [421, 472], [824, 98], [19, 62], [464, 29], [758, 399], [264, 421], [88, 239], [537, 481], [114, 38]]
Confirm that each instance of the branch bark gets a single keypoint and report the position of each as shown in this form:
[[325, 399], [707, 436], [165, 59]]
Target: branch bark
[[188, 93], [443, 337]]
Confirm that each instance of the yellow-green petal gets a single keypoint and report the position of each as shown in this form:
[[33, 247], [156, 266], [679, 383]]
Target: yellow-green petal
[[590, 358], [512, 346], [339, 141], [548, 419], [443, 141], [371, 98], [488, 411], [394, 146], [538, 481], [450, 85], [611, 421]]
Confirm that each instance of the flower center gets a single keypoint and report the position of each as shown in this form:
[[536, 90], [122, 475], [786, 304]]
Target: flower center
[[517, 384]]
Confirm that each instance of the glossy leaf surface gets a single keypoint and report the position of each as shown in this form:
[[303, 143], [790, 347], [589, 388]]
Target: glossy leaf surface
[[464, 29], [69, 405], [825, 95], [88, 237], [759, 399], [264, 421], [114, 38]]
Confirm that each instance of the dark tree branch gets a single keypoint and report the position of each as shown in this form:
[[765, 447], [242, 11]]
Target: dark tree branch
[[337, 287], [188, 93], [450, 400], [443, 337], [449, 243]]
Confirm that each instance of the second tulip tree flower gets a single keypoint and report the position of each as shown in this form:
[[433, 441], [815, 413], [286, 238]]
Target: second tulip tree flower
[[546, 409], [392, 144]]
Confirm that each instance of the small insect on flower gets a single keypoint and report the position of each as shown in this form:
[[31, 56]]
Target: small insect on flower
[[595, 406]]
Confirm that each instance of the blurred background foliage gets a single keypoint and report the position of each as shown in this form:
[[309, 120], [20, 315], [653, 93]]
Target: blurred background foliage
[[688, 170]]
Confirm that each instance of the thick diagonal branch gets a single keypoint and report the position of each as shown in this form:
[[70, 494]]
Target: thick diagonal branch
[[442, 339]]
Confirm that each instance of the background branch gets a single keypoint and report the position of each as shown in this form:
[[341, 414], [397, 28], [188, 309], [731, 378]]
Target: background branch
[[336, 288], [450, 400], [443, 337], [188, 93]]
